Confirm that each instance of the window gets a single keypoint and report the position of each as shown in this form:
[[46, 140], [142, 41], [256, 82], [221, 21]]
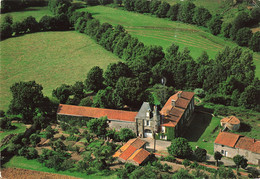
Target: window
[[147, 123], [148, 114], [222, 151], [163, 129]]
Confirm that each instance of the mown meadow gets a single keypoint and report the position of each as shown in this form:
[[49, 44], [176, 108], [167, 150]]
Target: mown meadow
[[37, 12], [49, 58], [155, 31]]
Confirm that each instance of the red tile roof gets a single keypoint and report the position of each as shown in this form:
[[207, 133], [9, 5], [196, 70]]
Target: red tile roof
[[172, 115], [140, 155], [227, 138], [91, 112], [250, 144], [128, 152], [132, 151], [230, 120]]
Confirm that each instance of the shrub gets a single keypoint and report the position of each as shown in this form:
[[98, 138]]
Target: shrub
[[170, 158], [2, 113], [200, 154], [34, 139], [186, 163], [194, 165], [5, 124]]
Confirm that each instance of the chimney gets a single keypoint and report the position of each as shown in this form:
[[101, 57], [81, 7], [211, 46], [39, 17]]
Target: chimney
[[173, 103]]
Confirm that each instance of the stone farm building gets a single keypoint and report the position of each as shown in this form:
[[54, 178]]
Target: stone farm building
[[230, 144], [167, 124], [133, 152]]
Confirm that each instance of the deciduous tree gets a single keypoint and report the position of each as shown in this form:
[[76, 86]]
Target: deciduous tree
[[180, 148]]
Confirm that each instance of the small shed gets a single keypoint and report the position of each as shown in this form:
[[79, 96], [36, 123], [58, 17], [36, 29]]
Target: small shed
[[231, 122]]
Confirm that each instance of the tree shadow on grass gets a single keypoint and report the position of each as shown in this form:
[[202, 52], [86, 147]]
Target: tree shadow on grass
[[244, 127], [198, 126]]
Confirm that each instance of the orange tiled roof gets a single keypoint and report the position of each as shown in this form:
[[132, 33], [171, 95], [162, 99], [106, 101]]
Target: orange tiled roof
[[111, 114], [140, 155], [128, 152], [230, 120], [227, 138], [132, 151], [250, 144], [172, 115]]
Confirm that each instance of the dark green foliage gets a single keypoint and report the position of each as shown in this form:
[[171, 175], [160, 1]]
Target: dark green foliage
[[5, 30], [94, 79], [118, 2], [2, 113], [154, 5], [27, 99], [241, 20], [182, 174], [186, 163], [92, 27], [141, 6], [34, 139], [243, 36], [254, 173], [125, 134], [170, 133], [162, 10], [240, 161], [19, 28], [129, 4], [250, 97], [62, 93], [180, 148], [255, 14], [98, 126], [201, 16], [254, 43], [217, 156], [6, 124], [114, 71], [145, 172], [226, 173], [47, 23], [29, 153], [58, 145], [31, 24], [103, 28], [194, 165], [162, 93], [186, 12], [86, 102], [200, 154], [214, 25], [59, 6], [49, 132], [226, 28], [173, 12], [170, 158], [131, 91], [108, 98]]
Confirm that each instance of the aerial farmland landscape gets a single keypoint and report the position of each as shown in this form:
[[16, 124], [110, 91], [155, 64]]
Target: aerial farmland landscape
[[130, 89]]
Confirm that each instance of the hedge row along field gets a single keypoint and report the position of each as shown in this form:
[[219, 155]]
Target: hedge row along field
[[156, 31]]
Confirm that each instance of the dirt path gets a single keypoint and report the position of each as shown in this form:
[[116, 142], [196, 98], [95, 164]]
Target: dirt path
[[13, 173]]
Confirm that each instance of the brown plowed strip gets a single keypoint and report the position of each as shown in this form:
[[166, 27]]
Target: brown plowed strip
[[14, 173]]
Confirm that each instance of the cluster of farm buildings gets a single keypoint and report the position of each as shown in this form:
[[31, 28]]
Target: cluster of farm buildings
[[168, 123]]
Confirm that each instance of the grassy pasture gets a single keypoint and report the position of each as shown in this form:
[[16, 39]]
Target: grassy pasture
[[155, 31], [20, 127], [49, 58], [37, 12], [203, 127], [21, 162]]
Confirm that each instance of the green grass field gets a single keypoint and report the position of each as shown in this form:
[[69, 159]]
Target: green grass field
[[19, 128], [203, 127], [21, 162], [155, 31], [49, 58], [37, 12]]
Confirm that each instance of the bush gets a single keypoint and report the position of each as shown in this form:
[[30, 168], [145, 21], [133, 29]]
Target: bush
[[34, 139], [186, 163], [170, 158], [194, 165], [5, 30], [200, 154], [2, 113], [5, 124], [86, 102]]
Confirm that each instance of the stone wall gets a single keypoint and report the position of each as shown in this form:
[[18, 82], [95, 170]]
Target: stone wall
[[253, 158], [117, 125]]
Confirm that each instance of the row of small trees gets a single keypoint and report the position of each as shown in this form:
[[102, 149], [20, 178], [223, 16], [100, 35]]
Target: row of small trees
[[8, 6], [187, 12]]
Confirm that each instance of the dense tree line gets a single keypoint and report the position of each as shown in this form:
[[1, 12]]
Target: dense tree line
[[14, 5], [187, 12]]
